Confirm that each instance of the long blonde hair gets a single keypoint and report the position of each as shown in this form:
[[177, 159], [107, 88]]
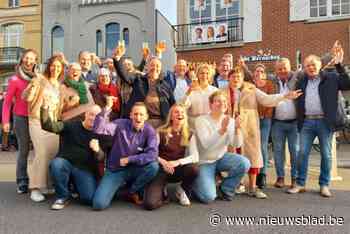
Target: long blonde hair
[[167, 127]]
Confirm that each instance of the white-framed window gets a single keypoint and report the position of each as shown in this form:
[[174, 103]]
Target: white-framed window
[[57, 39], [126, 36], [12, 34], [318, 8], [340, 7], [13, 3], [112, 37], [201, 11]]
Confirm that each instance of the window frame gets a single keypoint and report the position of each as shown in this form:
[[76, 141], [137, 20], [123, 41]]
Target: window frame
[[107, 34], [13, 3], [9, 35], [54, 28]]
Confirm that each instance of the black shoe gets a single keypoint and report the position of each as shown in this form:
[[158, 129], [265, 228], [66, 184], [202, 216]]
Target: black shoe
[[22, 189], [223, 196], [261, 181]]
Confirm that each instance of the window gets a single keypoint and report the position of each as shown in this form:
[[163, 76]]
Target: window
[[340, 7], [99, 43], [57, 43], [318, 8], [126, 36], [232, 10], [200, 11], [13, 3], [12, 35], [112, 37]]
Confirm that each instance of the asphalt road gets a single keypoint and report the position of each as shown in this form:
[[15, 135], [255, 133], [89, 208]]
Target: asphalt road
[[19, 215]]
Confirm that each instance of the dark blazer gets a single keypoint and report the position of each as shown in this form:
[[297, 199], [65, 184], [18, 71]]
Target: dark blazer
[[140, 87], [331, 83], [170, 77]]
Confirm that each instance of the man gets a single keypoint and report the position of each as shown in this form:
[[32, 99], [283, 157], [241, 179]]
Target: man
[[133, 155], [284, 124], [77, 156], [112, 72], [221, 80], [86, 60], [215, 132], [317, 115], [178, 80]]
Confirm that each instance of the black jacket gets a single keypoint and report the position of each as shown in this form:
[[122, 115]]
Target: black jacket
[[139, 83], [331, 83]]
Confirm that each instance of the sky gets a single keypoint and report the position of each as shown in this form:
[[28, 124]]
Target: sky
[[168, 8]]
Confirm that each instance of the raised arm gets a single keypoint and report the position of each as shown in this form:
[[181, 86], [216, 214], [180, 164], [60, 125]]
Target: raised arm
[[48, 123], [102, 124]]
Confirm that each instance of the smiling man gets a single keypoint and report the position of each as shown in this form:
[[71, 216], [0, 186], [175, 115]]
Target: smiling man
[[133, 155]]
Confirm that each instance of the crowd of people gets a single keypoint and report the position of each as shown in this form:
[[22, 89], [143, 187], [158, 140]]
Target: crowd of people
[[107, 129]]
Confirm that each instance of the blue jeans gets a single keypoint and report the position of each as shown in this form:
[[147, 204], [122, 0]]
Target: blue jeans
[[21, 129], [85, 182], [281, 131], [205, 185], [113, 180], [265, 127], [311, 129]]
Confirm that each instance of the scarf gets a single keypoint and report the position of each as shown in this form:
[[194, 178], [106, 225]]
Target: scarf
[[80, 87], [111, 90], [25, 74]]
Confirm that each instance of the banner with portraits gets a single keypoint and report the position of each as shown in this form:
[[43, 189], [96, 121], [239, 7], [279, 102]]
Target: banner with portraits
[[211, 32]]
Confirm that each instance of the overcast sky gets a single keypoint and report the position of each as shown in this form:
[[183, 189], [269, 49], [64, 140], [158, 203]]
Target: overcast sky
[[168, 8]]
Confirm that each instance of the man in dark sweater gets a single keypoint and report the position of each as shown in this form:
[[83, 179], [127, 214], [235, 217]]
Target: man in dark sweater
[[77, 156]]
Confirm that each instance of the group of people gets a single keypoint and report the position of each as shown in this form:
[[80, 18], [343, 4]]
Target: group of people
[[128, 131]]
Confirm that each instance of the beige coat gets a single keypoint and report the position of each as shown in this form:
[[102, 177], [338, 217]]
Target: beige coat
[[249, 99]]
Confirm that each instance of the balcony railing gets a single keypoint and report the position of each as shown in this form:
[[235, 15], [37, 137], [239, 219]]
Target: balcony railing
[[197, 34], [10, 55]]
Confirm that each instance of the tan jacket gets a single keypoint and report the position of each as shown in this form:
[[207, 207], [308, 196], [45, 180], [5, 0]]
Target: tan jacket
[[34, 94], [249, 99]]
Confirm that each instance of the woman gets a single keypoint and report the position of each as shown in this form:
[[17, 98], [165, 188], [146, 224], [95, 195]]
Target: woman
[[45, 144], [25, 71], [178, 156], [105, 88], [197, 96], [150, 88], [244, 98], [77, 98], [265, 114]]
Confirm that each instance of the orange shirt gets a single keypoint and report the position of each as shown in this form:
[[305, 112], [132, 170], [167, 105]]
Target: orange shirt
[[266, 112]]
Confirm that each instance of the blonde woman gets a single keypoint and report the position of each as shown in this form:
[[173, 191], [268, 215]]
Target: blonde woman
[[197, 96], [45, 143], [178, 156]]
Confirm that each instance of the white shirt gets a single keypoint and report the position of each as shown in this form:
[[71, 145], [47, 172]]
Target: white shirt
[[180, 89], [285, 110], [211, 145]]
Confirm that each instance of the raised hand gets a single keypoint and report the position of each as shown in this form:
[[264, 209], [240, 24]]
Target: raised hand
[[293, 94], [109, 102], [241, 62], [224, 124], [119, 52]]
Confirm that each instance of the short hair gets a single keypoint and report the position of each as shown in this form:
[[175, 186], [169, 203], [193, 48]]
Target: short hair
[[260, 65], [216, 94], [283, 60], [83, 52], [313, 57], [236, 70], [140, 104], [73, 64]]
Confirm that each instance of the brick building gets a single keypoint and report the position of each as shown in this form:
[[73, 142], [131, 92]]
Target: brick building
[[286, 28]]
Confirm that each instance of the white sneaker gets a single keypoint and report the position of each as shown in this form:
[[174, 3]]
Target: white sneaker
[[257, 193], [37, 196], [240, 189], [181, 195], [60, 204]]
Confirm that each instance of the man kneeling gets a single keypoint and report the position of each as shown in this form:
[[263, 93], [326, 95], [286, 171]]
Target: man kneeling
[[77, 156], [133, 155], [215, 132]]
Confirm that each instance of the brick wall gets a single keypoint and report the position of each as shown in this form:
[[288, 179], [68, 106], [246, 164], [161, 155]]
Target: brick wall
[[284, 38]]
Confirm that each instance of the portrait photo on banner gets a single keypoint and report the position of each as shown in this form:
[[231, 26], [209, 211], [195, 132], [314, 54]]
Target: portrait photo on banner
[[199, 34], [226, 3], [199, 5], [221, 32]]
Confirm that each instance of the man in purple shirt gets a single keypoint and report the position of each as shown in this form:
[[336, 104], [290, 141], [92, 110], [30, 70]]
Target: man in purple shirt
[[133, 155]]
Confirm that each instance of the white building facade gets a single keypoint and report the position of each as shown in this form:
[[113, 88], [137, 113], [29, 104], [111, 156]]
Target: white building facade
[[71, 26]]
